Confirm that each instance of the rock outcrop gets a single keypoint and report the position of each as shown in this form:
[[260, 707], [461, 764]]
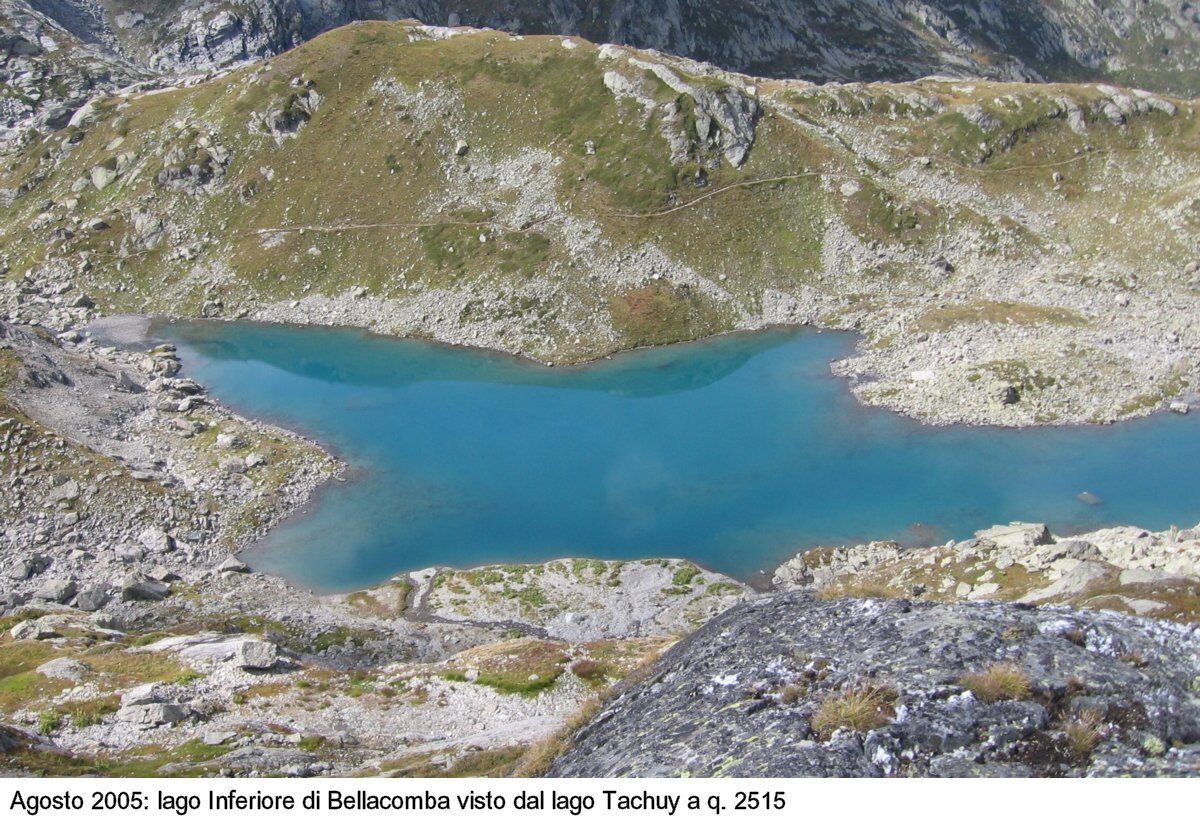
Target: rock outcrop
[[56, 54], [790, 686], [47, 72]]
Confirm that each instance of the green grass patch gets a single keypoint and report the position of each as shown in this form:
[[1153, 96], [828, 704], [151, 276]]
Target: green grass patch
[[341, 636], [660, 314], [996, 313], [685, 574]]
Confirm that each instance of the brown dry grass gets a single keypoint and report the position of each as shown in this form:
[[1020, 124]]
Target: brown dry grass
[[1084, 732], [856, 589], [999, 682], [862, 708]]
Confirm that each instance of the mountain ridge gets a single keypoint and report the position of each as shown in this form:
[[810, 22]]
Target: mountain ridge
[[1152, 44], [818, 40]]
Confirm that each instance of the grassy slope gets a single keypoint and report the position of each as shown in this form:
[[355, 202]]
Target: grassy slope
[[527, 107]]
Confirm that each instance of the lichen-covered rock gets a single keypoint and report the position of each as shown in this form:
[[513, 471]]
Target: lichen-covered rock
[[64, 669], [578, 599], [254, 654], [751, 694], [154, 714]]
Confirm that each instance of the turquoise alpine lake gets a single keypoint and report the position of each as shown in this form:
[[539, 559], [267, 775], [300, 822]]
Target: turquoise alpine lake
[[735, 452]]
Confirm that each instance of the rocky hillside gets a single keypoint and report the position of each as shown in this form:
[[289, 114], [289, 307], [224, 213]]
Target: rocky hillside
[[1121, 568], [1014, 253], [790, 686], [47, 73], [1151, 44]]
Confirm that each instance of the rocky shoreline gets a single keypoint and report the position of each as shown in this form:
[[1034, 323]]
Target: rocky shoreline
[[1123, 568], [927, 377], [126, 573]]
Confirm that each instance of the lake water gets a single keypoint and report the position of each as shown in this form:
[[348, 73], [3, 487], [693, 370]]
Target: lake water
[[735, 452]]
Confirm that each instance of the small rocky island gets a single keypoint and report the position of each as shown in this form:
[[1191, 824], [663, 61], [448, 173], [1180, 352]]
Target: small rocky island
[[1013, 253]]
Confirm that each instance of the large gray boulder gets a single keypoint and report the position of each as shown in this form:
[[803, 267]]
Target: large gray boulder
[[1075, 581], [138, 588], [141, 694], [25, 569], [233, 565], [92, 599], [67, 491], [64, 669], [59, 590], [33, 629], [156, 541], [256, 654], [1020, 535], [154, 714], [145, 705]]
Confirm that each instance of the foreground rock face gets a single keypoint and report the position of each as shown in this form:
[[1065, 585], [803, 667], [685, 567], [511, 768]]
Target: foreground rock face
[[1106, 694]]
